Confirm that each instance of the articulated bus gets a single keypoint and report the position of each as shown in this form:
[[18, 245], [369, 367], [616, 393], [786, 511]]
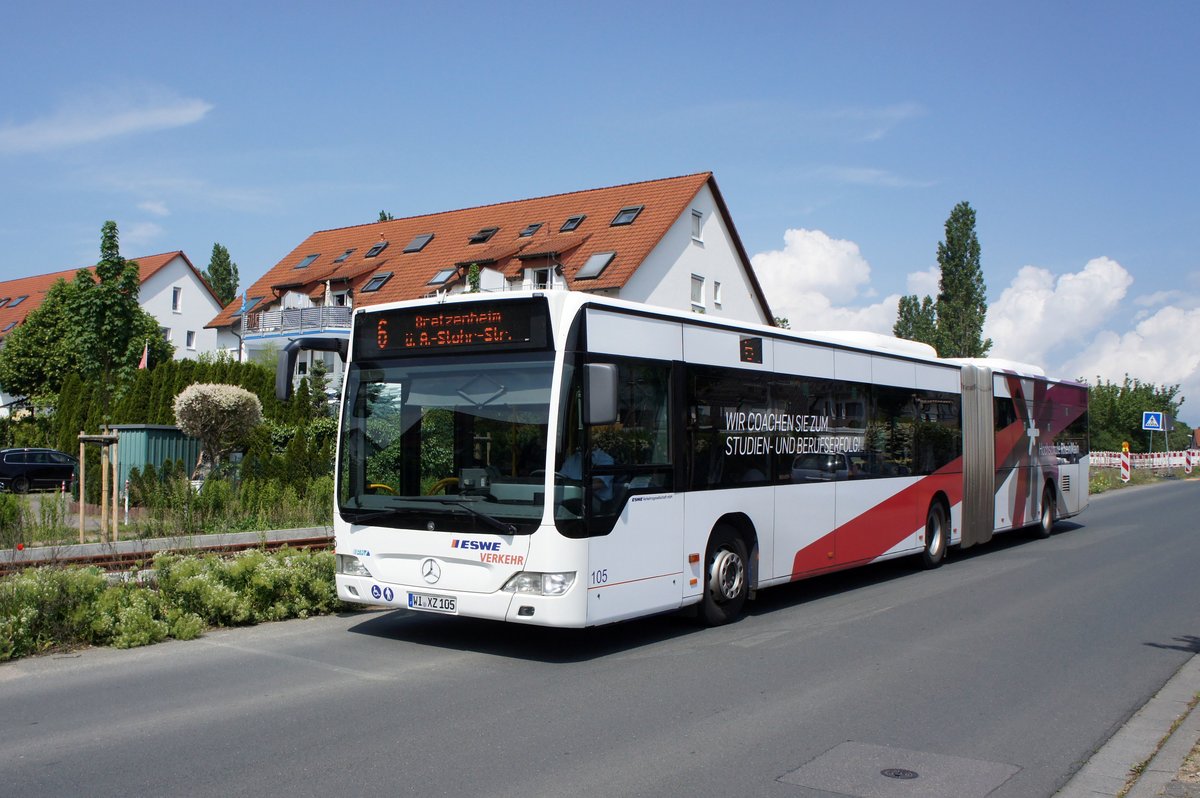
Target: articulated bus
[[568, 460]]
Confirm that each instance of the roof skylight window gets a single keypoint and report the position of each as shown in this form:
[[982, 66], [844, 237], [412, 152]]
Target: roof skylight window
[[573, 222], [483, 236], [4, 301], [595, 265], [376, 282], [442, 276], [626, 215], [341, 258], [9, 326], [304, 264], [250, 303], [18, 300], [375, 250], [418, 243], [530, 230]]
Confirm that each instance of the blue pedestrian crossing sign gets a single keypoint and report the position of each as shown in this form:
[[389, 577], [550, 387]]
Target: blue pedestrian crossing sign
[[1152, 421]]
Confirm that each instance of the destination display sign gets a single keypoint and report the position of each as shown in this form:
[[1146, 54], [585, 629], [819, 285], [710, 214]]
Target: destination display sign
[[457, 327], [751, 350]]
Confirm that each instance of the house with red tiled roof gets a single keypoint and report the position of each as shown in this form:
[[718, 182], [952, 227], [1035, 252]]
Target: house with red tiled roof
[[668, 242], [172, 291]]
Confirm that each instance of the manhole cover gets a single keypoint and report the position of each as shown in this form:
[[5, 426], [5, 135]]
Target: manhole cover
[[870, 771]]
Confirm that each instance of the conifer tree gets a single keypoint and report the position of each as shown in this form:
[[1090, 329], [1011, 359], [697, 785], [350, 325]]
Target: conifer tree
[[962, 294]]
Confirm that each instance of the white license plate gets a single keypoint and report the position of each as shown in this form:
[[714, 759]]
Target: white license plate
[[428, 603]]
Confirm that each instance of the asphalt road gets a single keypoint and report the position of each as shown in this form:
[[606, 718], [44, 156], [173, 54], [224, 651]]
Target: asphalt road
[[998, 674]]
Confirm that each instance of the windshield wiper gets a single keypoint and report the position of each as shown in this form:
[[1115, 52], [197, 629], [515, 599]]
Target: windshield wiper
[[366, 517], [495, 524]]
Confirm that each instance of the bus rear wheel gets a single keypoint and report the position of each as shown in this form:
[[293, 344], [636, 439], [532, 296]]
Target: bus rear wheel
[[726, 583], [935, 537], [1046, 514]]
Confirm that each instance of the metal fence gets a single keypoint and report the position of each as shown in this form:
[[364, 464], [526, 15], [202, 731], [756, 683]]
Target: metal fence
[[297, 320]]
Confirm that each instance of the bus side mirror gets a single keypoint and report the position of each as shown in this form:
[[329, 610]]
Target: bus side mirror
[[600, 393]]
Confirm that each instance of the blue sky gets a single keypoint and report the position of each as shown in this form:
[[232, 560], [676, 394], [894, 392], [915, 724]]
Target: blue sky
[[841, 134]]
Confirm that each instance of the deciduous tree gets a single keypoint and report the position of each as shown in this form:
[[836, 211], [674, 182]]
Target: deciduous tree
[[916, 320], [220, 416]]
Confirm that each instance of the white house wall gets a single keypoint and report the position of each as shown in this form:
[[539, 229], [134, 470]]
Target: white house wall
[[665, 276], [196, 307]]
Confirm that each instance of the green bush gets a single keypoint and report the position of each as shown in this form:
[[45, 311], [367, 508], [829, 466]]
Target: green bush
[[12, 521], [44, 608]]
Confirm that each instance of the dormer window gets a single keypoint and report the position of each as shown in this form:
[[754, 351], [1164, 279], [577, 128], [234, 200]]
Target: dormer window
[[376, 282], [304, 264], [375, 250], [626, 215], [418, 243], [483, 236], [530, 230], [573, 222]]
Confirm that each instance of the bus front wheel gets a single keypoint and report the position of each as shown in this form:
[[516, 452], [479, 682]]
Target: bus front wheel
[[935, 536], [726, 577]]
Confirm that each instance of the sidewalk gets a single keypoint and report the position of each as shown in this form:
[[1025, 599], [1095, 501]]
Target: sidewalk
[[151, 545], [1137, 744]]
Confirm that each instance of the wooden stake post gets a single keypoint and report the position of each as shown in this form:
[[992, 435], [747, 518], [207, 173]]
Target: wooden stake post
[[108, 463]]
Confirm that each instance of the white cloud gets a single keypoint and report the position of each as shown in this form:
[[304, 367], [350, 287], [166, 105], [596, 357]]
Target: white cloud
[[811, 280], [155, 207], [1161, 349], [1071, 324], [811, 261], [1038, 314], [926, 283], [102, 116], [875, 123], [139, 236], [867, 176]]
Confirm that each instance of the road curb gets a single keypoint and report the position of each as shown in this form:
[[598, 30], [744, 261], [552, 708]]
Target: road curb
[[1106, 772]]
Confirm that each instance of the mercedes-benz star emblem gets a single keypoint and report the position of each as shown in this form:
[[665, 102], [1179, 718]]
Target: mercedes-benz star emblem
[[431, 571]]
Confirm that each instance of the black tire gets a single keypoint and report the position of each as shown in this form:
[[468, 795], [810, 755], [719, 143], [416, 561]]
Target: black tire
[[1046, 514], [20, 484], [937, 535], [726, 577]]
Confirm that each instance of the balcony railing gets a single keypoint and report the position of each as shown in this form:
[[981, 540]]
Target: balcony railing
[[297, 320]]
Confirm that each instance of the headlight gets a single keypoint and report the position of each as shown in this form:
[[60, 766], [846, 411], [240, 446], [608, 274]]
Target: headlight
[[541, 584], [351, 566]]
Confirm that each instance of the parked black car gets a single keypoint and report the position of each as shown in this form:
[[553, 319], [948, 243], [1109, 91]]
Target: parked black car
[[22, 470]]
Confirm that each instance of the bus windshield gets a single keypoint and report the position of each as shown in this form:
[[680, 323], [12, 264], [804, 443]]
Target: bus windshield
[[454, 445]]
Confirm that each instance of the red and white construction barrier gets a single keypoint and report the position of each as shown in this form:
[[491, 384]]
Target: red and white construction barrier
[[1157, 460], [1124, 466], [1187, 462]]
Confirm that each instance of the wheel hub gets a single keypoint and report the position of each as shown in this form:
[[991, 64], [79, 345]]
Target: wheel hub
[[727, 576]]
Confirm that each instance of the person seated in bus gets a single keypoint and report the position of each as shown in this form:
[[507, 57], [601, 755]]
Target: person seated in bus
[[572, 468]]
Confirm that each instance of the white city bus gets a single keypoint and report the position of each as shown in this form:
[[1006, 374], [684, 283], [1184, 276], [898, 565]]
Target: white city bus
[[568, 460]]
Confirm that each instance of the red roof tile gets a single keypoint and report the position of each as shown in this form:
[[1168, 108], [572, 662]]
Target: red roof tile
[[663, 201], [35, 288]]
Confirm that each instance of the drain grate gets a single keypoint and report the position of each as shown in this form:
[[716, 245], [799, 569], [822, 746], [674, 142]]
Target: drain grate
[[899, 773]]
